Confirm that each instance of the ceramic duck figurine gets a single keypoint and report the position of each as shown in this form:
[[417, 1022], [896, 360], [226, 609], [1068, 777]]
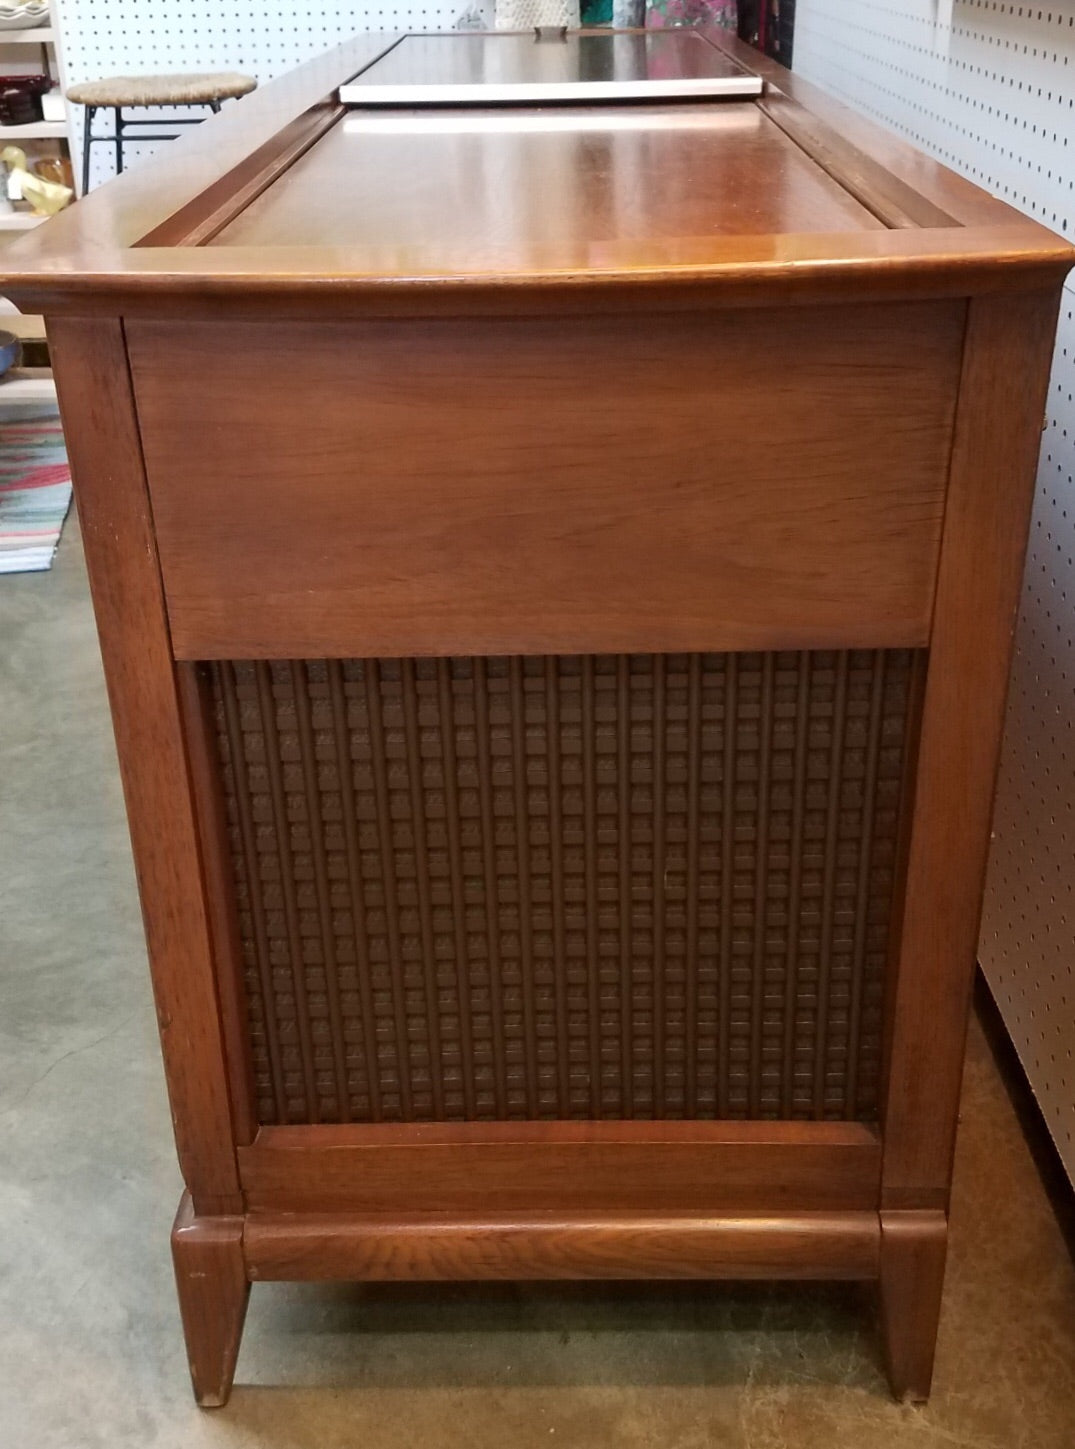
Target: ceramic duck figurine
[[46, 197]]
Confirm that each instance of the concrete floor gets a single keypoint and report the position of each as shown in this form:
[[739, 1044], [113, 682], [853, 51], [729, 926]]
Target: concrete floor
[[90, 1345]]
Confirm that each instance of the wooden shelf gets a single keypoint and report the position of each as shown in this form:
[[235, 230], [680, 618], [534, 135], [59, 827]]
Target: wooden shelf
[[27, 327], [41, 35], [27, 385], [19, 220], [34, 131]]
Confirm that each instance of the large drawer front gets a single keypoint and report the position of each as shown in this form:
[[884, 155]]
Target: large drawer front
[[737, 480]]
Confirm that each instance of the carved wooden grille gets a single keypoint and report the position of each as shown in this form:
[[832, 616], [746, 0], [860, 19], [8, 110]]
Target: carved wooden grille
[[590, 887]]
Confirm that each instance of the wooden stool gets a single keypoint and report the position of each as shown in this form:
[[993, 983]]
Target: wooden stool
[[131, 91]]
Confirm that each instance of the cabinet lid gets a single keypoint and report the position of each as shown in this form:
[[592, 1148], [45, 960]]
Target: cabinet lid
[[293, 205], [539, 67]]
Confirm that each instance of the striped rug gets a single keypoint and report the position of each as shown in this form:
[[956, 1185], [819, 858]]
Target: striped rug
[[35, 489]]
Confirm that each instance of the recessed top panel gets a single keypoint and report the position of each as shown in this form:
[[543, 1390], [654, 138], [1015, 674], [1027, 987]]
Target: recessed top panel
[[528, 69], [506, 190]]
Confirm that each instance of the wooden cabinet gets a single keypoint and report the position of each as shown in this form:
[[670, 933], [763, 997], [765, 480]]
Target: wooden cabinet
[[555, 569]]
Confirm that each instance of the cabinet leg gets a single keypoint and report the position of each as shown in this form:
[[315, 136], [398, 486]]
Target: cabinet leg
[[210, 1275], [913, 1246]]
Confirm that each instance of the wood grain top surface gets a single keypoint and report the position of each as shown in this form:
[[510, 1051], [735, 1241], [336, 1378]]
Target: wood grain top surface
[[474, 191], [718, 203]]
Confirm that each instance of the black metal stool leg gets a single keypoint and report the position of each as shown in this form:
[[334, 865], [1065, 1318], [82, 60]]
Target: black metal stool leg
[[87, 142], [120, 127]]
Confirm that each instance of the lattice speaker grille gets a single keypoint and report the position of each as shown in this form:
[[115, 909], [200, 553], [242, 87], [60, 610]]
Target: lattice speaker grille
[[590, 887]]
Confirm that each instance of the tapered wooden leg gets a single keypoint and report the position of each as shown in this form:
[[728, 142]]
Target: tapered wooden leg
[[913, 1246], [210, 1275]]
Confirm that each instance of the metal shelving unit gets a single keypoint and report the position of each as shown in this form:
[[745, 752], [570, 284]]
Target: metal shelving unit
[[17, 49], [34, 131]]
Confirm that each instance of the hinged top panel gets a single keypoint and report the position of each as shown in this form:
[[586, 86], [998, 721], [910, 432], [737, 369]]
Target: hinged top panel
[[385, 210], [537, 67]]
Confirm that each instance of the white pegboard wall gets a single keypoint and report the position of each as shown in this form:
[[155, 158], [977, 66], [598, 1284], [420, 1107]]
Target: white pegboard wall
[[990, 92], [259, 38], [1028, 936], [989, 88]]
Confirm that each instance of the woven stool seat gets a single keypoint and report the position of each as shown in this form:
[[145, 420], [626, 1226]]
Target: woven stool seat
[[129, 92], [162, 90]]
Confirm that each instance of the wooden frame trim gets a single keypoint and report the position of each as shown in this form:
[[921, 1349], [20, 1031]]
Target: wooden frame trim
[[620, 1246], [104, 444], [576, 1131], [726, 272], [881, 193], [529, 1167], [220, 897], [900, 866], [991, 488], [208, 213]]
